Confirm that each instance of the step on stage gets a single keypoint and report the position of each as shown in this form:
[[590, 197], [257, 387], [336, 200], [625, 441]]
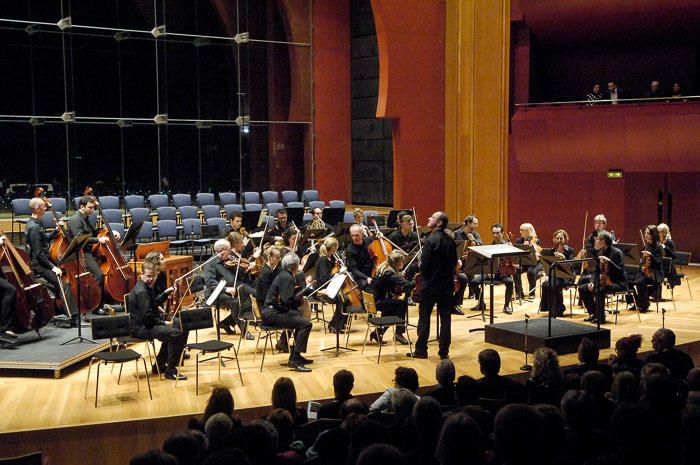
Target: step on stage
[[565, 337], [45, 353]]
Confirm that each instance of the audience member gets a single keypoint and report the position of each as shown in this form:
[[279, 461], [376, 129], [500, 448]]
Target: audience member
[[381, 454], [517, 431], [427, 418], [153, 457], [678, 362], [284, 395], [582, 441], [220, 401], [626, 355], [461, 441], [282, 420], [184, 447], [594, 384], [588, 354], [445, 391], [615, 94], [467, 391], [495, 386], [553, 430], [343, 382], [594, 95], [546, 383], [366, 433], [625, 388], [219, 430], [654, 90], [676, 90], [257, 441], [403, 378], [227, 457]]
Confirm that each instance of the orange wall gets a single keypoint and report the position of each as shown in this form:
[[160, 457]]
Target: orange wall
[[332, 119], [412, 94]]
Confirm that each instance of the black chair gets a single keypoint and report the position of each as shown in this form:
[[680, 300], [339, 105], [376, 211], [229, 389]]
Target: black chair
[[380, 323], [683, 259], [113, 327], [129, 339], [266, 332], [201, 318]]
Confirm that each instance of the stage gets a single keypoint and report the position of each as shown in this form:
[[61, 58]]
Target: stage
[[53, 412]]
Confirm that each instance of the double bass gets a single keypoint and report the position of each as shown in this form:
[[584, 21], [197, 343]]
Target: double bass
[[119, 277], [34, 306], [75, 272]]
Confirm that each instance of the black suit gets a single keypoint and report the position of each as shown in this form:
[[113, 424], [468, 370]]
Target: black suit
[[214, 272], [656, 276], [77, 225], [359, 262], [147, 323], [616, 273], [438, 262]]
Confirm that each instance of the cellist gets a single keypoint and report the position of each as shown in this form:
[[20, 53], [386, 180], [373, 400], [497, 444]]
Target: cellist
[[8, 300], [38, 241]]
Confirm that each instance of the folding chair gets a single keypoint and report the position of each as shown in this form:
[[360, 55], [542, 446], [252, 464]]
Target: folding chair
[[380, 323]]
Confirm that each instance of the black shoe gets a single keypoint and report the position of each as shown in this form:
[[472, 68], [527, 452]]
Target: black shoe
[[284, 348], [373, 336], [401, 339], [507, 310], [249, 337], [457, 311], [590, 318], [174, 375], [410, 301], [225, 324], [416, 355], [155, 369], [298, 366], [305, 361]]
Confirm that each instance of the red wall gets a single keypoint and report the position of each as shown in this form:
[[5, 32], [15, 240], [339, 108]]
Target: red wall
[[411, 44], [332, 122]]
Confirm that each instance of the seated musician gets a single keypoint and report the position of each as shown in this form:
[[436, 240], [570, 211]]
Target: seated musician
[[650, 269], [324, 273], [8, 300], [387, 283], [528, 236], [610, 270], [229, 267], [38, 241], [235, 224], [358, 217], [267, 274], [505, 267], [147, 322], [357, 255], [562, 251], [405, 236], [281, 310], [275, 233], [669, 248], [468, 232], [317, 222]]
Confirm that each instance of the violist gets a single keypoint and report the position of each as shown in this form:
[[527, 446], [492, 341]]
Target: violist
[[650, 268], [611, 266], [386, 284], [563, 251]]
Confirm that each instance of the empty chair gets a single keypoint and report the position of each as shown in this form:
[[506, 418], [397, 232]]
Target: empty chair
[[309, 196], [211, 211], [295, 205], [76, 202], [348, 217], [192, 231], [253, 207], [336, 203], [317, 204], [251, 197], [273, 207], [60, 204], [232, 208], [289, 196], [220, 222], [20, 208], [158, 200], [182, 200], [205, 198], [227, 198], [146, 232], [307, 219], [108, 202], [188, 211], [167, 230], [167, 213], [48, 221], [134, 201], [112, 215], [140, 214], [270, 197]]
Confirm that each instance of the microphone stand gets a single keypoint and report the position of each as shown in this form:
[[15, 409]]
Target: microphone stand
[[526, 367]]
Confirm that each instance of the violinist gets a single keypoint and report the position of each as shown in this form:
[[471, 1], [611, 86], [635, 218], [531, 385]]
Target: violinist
[[160, 286], [231, 268], [268, 272], [324, 273], [501, 275], [358, 258], [650, 268], [609, 276], [235, 224], [405, 236], [386, 283], [468, 232], [281, 310], [562, 251], [669, 248], [38, 241], [528, 236], [78, 224], [148, 323], [600, 223], [8, 300], [358, 217], [276, 232]]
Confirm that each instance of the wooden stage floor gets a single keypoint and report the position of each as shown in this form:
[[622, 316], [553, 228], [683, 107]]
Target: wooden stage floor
[[40, 403]]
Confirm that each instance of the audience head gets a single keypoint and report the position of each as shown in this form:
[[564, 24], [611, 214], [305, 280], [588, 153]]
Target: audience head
[[655, 86], [593, 382], [402, 402], [258, 440], [625, 388], [516, 429], [612, 86], [627, 347], [367, 432], [227, 457], [185, 447], [588, 352], [343, 382], [153, 457], [694, 379], [427, 418], [284, 424], [284, 394], [218, 430], [577, 407], [353, 405], [406, 378], [545, 364], [596, 88], [663, 339], [467, 390], [377, 454], [445, 372], [461, 441], [676, 88], [489, 362], [220, 401], [554, 424]]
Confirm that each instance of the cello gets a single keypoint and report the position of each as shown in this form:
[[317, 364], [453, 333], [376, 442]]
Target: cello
[[119, 277], [34, 307], [379, 249], [90, 292]]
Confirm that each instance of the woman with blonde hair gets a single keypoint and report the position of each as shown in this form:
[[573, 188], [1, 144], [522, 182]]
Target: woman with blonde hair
[[387, 282], [528, 236], [324, 273], [669, 249]]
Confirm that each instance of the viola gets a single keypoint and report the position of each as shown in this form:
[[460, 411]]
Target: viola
[[34, 307], [605, 279], [506, 266], [646, 260]]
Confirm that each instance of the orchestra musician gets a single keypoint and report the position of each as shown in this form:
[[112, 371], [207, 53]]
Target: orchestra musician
[[357, 255], [650, 268], [38, 242], [276, 232], [386, 283], [231, 268], [8, 300], [359, 218], [317, 222], [600, 223], [562, 251], [235, 224], [528, 236], [470, 235], [609, 276], [78, 224], [267, 274], [324, 273], [281, 310], [669, 248], [148, 322], [438, 261], [405, 236], [506, 279]]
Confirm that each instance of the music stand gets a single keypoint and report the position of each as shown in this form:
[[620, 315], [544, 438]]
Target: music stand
[[295, 215], [631, 254], [129, 240], [71, 255], [332, 216], [332, 290], [251, 219], [555, 268], [473, 265], [394, 215], [214, 298]]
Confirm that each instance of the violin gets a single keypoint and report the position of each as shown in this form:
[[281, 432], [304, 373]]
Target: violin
[[605, 279], [646, 261], [34, 306], [506, 267]]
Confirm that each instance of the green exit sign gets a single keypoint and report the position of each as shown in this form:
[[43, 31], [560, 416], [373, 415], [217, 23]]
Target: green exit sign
[[615, 174]]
